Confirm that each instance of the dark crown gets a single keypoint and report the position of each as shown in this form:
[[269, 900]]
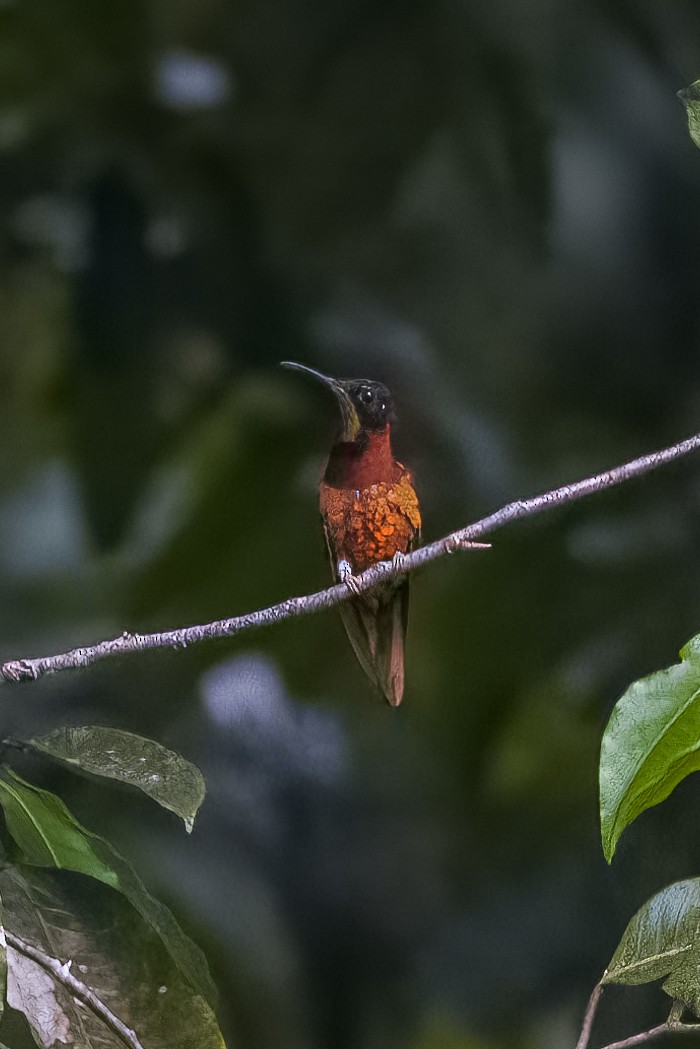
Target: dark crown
[[372, 401]]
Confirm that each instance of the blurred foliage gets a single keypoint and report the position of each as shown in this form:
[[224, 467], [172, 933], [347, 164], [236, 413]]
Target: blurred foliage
[[127, 968], [164, 994], [46, 834], [494, 210], [162, 991]]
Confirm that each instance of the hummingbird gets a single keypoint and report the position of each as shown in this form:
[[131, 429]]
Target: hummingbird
[[370, 513]]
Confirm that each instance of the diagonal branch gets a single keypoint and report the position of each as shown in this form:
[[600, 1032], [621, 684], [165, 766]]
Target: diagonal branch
[[76, 988], [31, 669], [669, 1027], [646, 1036]]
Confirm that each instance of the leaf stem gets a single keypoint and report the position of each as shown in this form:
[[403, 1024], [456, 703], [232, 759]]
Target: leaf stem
[[30, 669]]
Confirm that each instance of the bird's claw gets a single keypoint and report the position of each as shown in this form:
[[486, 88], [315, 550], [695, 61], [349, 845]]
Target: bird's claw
[[345, 575]]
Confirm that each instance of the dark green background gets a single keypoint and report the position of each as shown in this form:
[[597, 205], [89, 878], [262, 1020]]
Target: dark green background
[[494, 208]]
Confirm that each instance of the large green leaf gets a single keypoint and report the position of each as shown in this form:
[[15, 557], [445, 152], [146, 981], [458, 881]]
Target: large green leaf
[[690, 97], [662, 942], [49, 836], [165, 776], [651, 742], [112, 952]]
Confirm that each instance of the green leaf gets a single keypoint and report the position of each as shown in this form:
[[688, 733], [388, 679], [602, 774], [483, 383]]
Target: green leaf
[[160, 773], [690, 97], [49, 836], [651, 743], [662, 941], [112, 952]]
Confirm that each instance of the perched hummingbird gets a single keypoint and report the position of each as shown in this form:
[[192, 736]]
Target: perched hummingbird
[[370, 513]]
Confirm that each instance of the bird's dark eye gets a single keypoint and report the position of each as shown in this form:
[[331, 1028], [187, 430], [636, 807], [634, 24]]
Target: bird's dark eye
[[382, 406], [366, 395]]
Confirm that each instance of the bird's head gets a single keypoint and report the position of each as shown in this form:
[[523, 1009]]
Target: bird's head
[[365, 404]]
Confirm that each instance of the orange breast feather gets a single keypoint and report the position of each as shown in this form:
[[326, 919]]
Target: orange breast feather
[[371, 524]]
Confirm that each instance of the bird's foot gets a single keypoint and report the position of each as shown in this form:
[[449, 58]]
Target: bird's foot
[[345, 575], [398, 560], [393, 566]]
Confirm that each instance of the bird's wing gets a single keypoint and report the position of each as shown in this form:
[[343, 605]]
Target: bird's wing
[[392, 623], [357, 620], [376, 623]]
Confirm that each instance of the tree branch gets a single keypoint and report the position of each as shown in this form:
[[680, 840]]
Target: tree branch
[[63, 975], [31, 669], [669, 1027], [646, 1036], [673, 1024], [588, 1019]]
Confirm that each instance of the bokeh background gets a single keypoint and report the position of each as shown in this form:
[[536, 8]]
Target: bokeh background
[[494, 208]]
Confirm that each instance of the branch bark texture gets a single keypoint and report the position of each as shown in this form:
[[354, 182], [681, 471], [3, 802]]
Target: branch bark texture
[[30, 669]]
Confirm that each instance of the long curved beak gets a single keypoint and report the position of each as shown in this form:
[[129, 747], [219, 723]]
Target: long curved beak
[[351, 422]]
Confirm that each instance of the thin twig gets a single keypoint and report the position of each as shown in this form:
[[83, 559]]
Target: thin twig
[[63, 975], [31, 669], [588, 1019], [653, 1032], [638, 1039], [673, 1025]]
